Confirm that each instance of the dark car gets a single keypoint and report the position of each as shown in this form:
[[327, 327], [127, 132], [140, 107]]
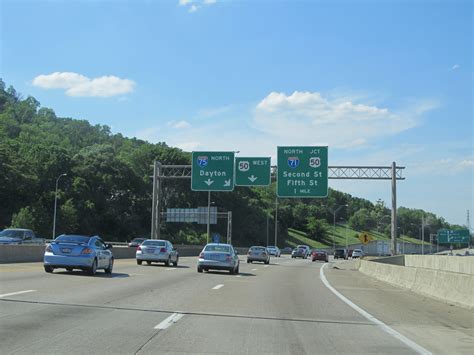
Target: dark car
[[349, 253], [136, 242], [340, 254], [299, 253], [319, 255]]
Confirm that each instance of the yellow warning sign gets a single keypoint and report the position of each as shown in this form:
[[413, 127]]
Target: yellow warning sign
[[365, 237]]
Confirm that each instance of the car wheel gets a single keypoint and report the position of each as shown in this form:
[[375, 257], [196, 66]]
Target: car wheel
[[167, 262], [248, 261], [176, 262], [267, 262], [48, 269], [148, 262], [69, 269], [237, 270], [139, 262], [93, 268], [199, 269], [111, 266], [231, 271]]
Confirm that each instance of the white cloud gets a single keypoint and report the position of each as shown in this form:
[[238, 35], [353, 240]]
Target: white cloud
[[442, 166], [455, 66], [194, 5], [179, 125], [310, 118], [81, 86]]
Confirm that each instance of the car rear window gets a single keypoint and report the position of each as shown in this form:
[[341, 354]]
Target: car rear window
[[257, 249], [154, 243], [79, 239], [218, 248]]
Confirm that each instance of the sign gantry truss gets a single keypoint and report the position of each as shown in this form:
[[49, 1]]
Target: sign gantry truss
[[393, 173], [335, 172]]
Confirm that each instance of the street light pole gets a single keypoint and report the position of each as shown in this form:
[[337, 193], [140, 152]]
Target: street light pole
[[56, 203]]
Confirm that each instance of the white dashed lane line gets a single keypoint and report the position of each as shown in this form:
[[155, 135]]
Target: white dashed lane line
[[218, 287], [169, 321], [16, 293]]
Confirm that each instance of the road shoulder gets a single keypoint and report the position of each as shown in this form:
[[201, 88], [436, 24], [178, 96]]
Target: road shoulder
[[439, 327]]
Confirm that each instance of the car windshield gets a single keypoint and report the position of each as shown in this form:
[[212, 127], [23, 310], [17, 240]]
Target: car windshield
[[154, 243], [218, 248], [76, 239], [137, 240], [11, 233], [271, 247]]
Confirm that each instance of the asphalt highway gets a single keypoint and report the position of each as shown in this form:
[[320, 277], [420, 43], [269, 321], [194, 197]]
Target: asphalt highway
[[289, 306]]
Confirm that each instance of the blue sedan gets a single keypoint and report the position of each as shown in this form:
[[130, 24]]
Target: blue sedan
[[87, 253]]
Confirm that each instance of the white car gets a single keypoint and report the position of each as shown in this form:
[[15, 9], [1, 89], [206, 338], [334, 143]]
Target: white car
[[357, 253], [157, 251]]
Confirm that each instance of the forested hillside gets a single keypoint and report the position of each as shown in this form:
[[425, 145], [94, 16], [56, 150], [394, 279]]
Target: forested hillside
[[107, 190]]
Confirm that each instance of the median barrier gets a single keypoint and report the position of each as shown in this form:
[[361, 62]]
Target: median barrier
[[451, 287], [459, 264]]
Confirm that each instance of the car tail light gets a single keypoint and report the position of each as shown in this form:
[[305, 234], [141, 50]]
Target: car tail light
[[139, 248], [163, 250], [86, 251], [49, 249]]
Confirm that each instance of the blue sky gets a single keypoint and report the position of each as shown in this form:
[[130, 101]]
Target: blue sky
[[376, 81]]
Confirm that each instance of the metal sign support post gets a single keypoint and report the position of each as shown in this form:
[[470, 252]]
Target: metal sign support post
[[393, 243], [276, 220], [229, 227], [208, 216], [422, 235], [155, 208]]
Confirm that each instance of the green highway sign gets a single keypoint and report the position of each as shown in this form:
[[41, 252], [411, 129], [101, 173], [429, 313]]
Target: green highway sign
[[446, 236], [212, 171], [252, 171], [302, 172]]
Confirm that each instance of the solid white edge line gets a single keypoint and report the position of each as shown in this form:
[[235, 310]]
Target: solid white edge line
[[169, 321], [410, 343], [218, 287], [16, 293]]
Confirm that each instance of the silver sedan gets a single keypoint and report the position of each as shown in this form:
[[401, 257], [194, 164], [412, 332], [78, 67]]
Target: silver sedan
[[216, 256], [161, 251], [258, 254]]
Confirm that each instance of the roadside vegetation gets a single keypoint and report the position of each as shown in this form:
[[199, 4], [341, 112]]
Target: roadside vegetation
[[108, 188]]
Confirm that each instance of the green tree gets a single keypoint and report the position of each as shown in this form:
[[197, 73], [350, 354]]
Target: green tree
[[317, 228]]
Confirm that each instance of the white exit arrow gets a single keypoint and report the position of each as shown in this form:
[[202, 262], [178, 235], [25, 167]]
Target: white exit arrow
[[227, 183], [252, 178], [209, 182]]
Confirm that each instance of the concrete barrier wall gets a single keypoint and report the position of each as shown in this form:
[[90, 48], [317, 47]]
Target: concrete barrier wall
[[459, 264], [450, 287]]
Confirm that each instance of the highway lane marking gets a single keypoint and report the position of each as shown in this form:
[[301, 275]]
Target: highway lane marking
[[171, 268], [238, 276], [16, 293], [410, 343], [254, 269], [169, 321], [265, 266], [218, 287]]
